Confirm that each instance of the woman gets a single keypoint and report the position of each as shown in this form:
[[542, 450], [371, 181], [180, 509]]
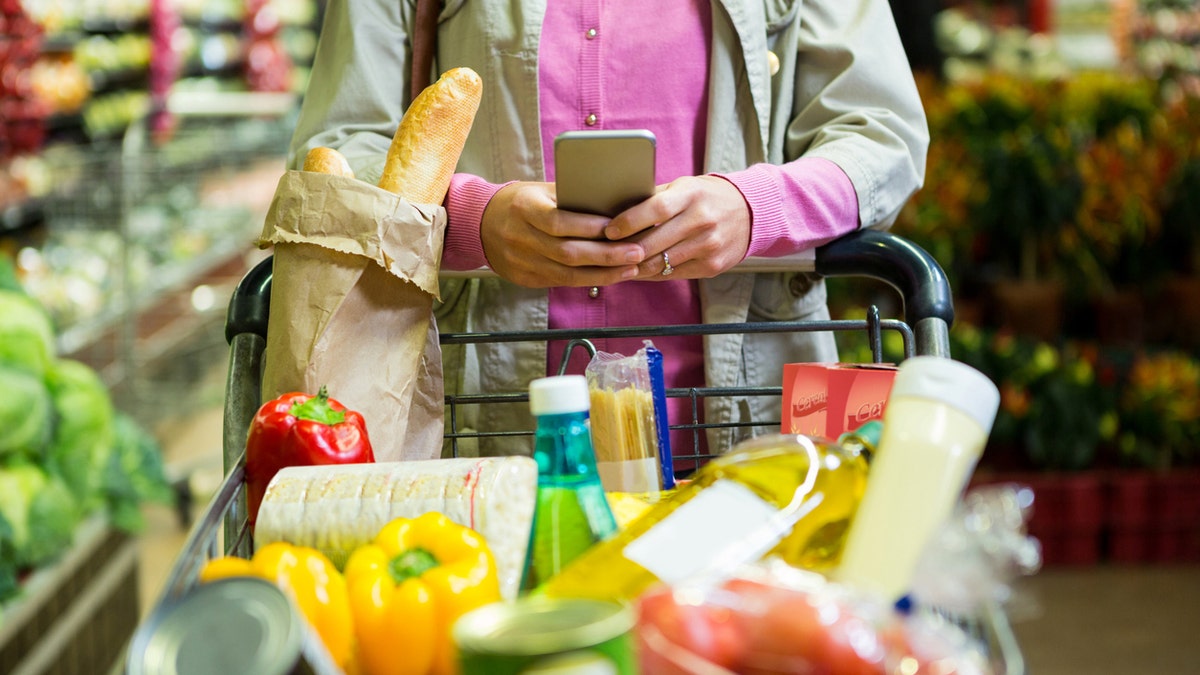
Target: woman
[[781, 125]]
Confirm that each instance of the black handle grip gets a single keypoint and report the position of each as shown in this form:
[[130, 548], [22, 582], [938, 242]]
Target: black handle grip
[[908, 268], [250, 304]]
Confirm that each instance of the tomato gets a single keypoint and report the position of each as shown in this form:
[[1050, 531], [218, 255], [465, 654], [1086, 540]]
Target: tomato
[[707, 630], [791, 631]]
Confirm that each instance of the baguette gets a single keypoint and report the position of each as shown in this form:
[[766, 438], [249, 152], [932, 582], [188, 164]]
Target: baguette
[[427, 144], [327, 160]]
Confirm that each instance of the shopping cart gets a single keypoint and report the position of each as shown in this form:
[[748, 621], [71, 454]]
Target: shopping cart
[[912, 272]]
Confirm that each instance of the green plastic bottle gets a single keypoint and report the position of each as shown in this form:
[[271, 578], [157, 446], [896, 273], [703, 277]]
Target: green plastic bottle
[[572, 513]]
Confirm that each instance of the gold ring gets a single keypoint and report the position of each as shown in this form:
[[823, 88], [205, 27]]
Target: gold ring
[[667, 269]]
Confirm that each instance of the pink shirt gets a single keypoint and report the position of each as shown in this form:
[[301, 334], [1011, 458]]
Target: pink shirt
[[601, 58]]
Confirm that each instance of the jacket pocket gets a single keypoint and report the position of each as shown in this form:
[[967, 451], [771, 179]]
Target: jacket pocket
[[786, 296]]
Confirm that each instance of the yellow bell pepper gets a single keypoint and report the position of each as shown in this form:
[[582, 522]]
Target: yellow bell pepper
[[409, 586], [316, 587]]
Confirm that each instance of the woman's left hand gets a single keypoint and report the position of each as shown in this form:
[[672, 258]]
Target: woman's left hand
[[700, 223]]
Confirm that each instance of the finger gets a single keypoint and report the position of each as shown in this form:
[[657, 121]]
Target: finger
[[576, 277], [569, 224], [661, 266], [643, 216], [550, 274], [589, 253], [535, 205]]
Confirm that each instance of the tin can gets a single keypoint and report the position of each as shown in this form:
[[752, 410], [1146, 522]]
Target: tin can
[[234, 625], [547, 636]]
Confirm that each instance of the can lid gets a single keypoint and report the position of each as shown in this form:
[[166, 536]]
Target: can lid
[[953, 383], [537, 626], [234, 625], [559, 394]]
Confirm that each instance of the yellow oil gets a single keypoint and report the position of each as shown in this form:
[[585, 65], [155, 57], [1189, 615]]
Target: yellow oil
[[774, 468]]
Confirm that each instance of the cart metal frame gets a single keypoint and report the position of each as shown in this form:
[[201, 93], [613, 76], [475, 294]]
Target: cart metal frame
[[911, 271]]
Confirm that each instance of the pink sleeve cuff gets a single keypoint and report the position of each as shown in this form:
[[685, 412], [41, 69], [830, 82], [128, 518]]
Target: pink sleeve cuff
[[797, 206], [465, 201]]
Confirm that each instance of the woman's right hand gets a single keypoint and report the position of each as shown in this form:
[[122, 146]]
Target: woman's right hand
[[530, 242]]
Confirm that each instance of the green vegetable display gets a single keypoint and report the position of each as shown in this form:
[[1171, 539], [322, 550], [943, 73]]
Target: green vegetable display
[[134, 475], [84, 435], [66, 453], [8, 561], [25, 414], [41, 510], [26, 334]]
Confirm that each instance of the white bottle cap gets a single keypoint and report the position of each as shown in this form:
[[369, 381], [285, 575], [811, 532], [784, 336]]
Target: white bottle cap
[[950, 382], [559, 394]]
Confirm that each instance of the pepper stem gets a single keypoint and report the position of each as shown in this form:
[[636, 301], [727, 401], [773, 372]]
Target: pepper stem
[[411, 564], [318, 409]]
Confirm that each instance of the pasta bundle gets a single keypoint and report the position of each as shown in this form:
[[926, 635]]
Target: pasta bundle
[[625, 422]]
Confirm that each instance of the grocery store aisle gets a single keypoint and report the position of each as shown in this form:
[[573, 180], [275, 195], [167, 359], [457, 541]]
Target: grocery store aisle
[[1068, 621], [192, 451]]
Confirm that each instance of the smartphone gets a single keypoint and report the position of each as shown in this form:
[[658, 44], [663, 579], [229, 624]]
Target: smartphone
[[604, 171]]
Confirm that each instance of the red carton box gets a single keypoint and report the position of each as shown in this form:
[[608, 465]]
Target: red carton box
[[805, 398], [829, 399]]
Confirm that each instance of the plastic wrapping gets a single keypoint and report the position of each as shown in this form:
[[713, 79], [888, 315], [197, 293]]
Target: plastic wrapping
[[625, 420], [773, 618], [335, 509], [973, 558]]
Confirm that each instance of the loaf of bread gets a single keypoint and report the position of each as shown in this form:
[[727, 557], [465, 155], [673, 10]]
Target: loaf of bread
[[427, 144], [337, 508], [327, 160]]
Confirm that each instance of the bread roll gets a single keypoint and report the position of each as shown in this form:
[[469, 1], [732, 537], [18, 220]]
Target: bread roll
[[431, 136], [327, 160]]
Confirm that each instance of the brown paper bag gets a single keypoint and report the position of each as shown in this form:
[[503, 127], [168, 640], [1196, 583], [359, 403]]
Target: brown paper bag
[[353, 286]]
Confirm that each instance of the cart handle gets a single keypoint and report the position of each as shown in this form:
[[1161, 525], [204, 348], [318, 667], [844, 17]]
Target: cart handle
[[250, 304], [883, 256], [912, 271]]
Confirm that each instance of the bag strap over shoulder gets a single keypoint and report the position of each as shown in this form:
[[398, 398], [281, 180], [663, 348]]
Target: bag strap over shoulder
[[424, 42]]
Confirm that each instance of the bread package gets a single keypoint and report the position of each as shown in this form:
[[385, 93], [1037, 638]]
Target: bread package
[[337, 508], [355, 275]]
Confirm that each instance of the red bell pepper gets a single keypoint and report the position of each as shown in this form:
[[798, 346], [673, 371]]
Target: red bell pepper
[[300, 429]]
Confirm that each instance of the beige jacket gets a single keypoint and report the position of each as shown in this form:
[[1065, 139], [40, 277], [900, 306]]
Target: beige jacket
[[843, 91]]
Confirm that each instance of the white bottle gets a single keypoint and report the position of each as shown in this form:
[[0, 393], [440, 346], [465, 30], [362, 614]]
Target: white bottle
[[935, 426]]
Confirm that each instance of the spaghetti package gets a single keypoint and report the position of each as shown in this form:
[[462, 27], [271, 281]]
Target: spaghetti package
[[628, 421]]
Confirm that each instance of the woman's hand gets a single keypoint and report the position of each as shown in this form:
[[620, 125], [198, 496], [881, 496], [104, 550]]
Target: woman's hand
[[531, 243], [701, 223]]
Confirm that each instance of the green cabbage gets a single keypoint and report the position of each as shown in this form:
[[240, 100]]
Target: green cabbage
[[26, 334], [84, 433], [8, 562], [135, 475], [41, 511], [25, 414]]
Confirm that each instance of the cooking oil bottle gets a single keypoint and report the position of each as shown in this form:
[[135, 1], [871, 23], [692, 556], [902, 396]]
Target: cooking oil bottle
[[786, 495]]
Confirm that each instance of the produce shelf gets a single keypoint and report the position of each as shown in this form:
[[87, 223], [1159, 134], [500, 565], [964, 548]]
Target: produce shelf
[[75, 616]]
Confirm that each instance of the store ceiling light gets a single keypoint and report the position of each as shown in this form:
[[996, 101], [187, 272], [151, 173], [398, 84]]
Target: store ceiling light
[[203, 298]]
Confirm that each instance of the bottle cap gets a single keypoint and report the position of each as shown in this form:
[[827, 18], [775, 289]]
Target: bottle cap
[[953, 383], [559, 394]]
